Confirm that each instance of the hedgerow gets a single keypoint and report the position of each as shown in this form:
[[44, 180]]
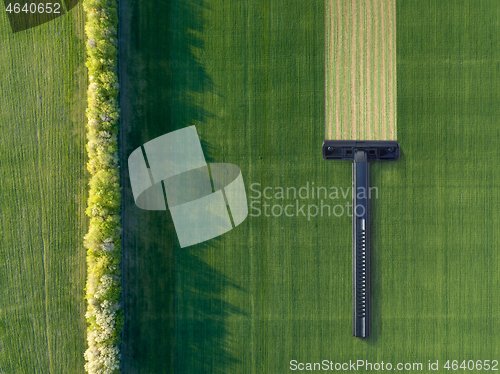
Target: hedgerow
[[104, 313]]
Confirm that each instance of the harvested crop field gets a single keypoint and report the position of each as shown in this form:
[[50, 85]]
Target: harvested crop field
[[360, 70]]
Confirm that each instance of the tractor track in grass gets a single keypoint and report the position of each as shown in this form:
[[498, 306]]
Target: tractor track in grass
[[124, 19], [147, 251]]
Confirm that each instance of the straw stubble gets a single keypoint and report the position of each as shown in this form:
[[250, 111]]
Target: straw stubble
[[360, 70]]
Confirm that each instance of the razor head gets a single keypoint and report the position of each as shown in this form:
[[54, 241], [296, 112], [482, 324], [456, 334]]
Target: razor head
[[376, 150]]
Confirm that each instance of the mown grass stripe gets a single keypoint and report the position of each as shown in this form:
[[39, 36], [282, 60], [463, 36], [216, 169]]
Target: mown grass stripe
[[369, 78], [377, 70], [338, 79], [393, 72], [361, 73], [383, 76], [360, 59], [329, 82], [346, 118], [353, 68]]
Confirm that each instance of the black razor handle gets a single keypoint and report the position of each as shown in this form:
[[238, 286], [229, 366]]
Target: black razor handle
[[360, 152], [361, 244]]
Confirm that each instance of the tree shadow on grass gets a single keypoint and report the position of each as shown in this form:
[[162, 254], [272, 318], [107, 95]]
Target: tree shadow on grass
[[202, 337], [175, 312]]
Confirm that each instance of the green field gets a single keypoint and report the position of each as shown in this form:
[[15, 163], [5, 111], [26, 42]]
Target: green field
[[250, 76], [43, 187]]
